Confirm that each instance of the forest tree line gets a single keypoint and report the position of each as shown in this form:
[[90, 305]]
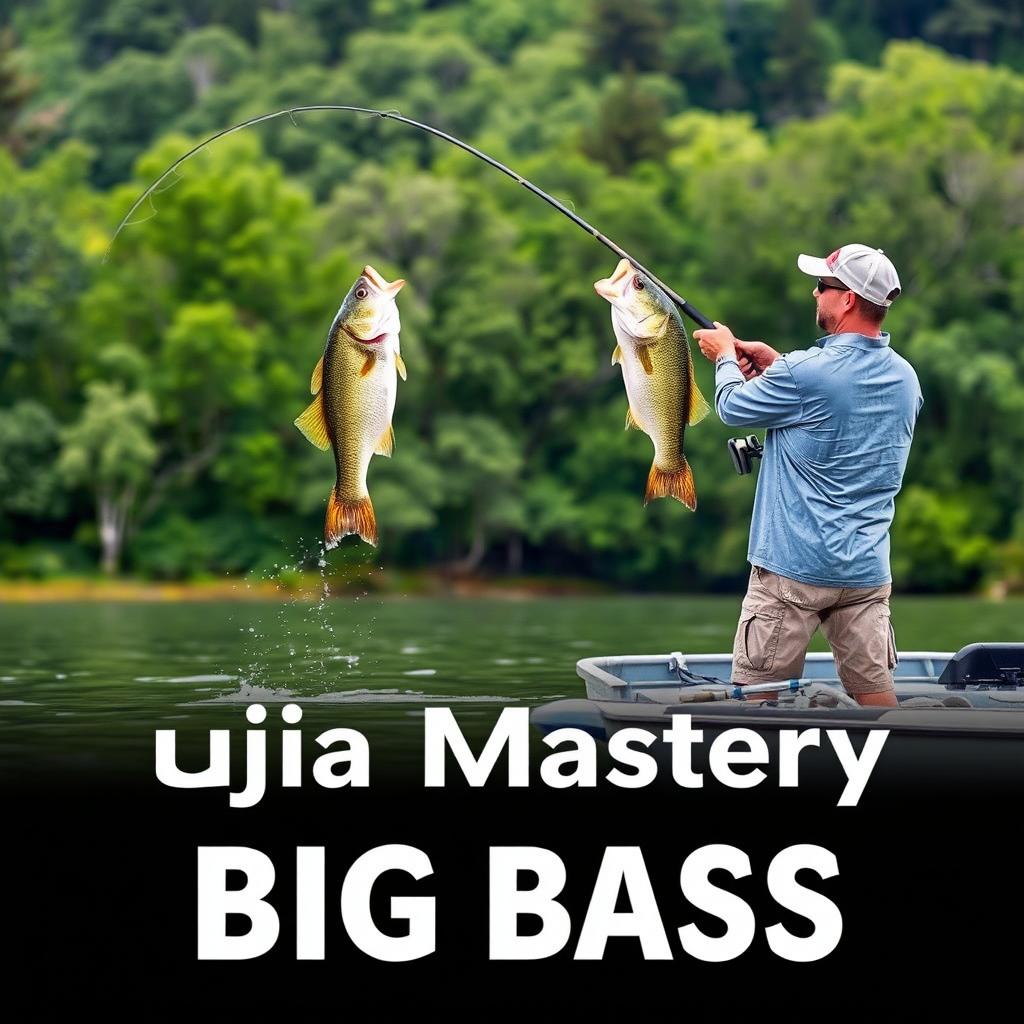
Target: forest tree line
[[146, 401]]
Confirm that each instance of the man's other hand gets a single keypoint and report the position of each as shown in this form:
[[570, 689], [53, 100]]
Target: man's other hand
[[753, 357], [717, 342]]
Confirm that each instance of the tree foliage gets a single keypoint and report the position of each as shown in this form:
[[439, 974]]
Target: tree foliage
[[146, 402]]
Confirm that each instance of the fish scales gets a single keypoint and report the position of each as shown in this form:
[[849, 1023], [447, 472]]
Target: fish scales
[[660, 405], [358, 409]]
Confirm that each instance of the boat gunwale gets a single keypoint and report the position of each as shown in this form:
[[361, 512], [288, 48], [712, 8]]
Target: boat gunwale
[[597, 666], [906, 720]]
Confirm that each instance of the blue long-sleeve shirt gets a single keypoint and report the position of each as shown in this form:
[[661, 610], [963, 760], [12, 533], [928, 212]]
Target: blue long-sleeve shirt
[[841, 418]]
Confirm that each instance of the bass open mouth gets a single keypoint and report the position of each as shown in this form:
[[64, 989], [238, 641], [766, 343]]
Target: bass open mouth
[[376, 340]]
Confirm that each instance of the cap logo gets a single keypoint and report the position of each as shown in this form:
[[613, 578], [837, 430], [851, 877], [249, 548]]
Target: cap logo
[[832, 258]]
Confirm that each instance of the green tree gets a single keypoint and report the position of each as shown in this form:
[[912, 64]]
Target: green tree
[[16, 88], [629, 128], [501, 27], [334, 22], [42, 274], [210, 56], [405, 218], [226, 305], [123, 105], [547, 96], [110, 450], [110, 26], [939, 540], [29, 441], [626, 35], [803, 49], [287, 42], [971, 24], [482, 464], [698, 52]]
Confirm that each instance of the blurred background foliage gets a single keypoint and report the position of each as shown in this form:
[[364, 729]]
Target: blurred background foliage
[[146, 402]]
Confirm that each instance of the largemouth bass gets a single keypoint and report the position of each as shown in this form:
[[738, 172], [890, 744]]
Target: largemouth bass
[[657, 369], [355, 384]]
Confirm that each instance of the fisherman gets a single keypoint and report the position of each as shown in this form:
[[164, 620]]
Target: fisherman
[[840, 419]]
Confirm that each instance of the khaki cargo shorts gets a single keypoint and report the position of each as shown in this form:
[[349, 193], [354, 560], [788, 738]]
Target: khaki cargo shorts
[[779, 618]]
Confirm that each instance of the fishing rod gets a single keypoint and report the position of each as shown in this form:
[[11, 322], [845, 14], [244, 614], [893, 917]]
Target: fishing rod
[[691, 311]]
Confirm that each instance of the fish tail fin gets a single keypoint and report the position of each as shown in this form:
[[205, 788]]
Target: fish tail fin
[[676, 484], [345, 517]]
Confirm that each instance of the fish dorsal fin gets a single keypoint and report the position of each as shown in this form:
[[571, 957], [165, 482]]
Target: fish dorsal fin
[[386, 444], [313, 425], [617, 355], [317, 380], [631, 420], [400, 365], [699, 408], [644, 355], [368, 365]]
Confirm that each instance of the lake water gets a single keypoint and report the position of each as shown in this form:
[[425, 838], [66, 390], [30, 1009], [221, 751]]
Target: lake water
[[83, 686]]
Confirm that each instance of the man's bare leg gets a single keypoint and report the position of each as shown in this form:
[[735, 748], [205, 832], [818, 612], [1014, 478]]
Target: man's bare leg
[[885, 698]]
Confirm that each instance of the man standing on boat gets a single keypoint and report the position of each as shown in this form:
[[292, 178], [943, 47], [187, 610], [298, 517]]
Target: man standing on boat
[[840, 419]]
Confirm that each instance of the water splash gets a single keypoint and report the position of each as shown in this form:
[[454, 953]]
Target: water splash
[[304, 634]]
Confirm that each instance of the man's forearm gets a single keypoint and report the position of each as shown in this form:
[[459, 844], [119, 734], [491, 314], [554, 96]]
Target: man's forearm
[[771, 399], [728, 377]]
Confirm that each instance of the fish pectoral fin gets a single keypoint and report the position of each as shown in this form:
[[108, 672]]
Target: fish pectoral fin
[[368, 365], [313, 425], [699, 407], [317, 380], [386, 443], [645, 359], [632, 423], [400, 366], [617, 355]]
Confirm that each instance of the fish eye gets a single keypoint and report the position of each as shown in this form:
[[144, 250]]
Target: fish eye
[[638, 282], [362, 292]]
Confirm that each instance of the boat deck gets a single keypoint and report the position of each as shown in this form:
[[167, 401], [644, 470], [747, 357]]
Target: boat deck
[[646, 690]]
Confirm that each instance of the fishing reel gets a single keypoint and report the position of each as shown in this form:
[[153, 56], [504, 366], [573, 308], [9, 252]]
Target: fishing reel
[[743, 450]]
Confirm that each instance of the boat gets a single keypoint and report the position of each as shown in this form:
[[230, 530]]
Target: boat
[[973, 692]]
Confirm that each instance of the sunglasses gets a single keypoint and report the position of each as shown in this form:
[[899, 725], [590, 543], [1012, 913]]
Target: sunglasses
[[838, 287]]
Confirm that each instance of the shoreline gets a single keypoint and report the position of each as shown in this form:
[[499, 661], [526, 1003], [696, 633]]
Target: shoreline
[[309, 587]]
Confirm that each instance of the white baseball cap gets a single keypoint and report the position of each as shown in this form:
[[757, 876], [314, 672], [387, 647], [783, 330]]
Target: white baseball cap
[[865, 271]]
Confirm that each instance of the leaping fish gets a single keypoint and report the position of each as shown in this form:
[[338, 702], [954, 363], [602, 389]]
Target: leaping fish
[[355, 384]]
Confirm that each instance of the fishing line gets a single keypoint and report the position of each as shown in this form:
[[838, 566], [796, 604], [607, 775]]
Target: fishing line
[[152, 206], [692, 312]]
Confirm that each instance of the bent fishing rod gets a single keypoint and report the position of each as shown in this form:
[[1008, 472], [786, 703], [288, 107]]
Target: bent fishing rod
[[691, 311]]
